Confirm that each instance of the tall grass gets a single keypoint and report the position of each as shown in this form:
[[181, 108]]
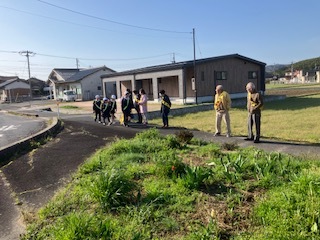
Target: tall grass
[[134, 190]]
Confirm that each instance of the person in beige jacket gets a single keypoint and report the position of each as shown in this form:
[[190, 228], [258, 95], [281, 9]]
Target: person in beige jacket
[[254, 106], [222, 105]]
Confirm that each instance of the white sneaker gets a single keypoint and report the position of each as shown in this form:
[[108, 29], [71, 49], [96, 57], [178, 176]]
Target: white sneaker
[[228, 135]]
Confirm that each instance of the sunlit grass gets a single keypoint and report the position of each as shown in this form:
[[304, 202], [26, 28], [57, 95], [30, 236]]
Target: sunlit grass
[[292, 119]]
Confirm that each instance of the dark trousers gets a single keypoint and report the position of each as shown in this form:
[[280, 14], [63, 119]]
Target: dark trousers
[[97, 115], [165, 119], [106, 115], [126, 116], [138, 113], [254, 119]]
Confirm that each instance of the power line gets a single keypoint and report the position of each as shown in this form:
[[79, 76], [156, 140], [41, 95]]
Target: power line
[[73, 23], [104, 59], [111, 21]]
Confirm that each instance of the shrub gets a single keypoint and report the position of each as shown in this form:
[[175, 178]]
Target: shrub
[[184, 136]]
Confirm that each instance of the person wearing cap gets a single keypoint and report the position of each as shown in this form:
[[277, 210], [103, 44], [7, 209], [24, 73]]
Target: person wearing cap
[[143, 104], [222, 105], [97, 108], [126, 106], [254, 106], [105, 110], [113, 108], [165, 108]]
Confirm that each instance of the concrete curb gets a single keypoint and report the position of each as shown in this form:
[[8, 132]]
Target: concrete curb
[[21, 146]]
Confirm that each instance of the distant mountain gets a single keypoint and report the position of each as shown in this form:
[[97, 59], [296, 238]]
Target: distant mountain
[[305, 65], [275, 67]]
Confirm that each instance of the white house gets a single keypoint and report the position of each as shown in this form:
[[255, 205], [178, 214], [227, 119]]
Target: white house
[[85, 82]]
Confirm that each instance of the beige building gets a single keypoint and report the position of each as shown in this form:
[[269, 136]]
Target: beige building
[[177, 79]]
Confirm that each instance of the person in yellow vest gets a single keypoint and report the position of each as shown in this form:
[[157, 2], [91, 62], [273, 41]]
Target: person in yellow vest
[[254, 106], [222, 105]]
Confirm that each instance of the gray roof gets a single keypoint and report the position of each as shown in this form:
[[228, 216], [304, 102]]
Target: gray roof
[[73, 75], [179, 65], [7, 82]]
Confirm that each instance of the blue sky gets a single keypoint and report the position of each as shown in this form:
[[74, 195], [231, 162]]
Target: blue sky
[[127, 34]]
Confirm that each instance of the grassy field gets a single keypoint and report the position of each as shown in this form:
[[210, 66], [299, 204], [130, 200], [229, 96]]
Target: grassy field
[[294, 119]]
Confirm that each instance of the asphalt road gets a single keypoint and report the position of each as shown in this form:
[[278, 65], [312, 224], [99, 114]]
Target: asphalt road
[[14, 127]]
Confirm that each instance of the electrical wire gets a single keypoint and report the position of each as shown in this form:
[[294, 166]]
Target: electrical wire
[[112, 21]]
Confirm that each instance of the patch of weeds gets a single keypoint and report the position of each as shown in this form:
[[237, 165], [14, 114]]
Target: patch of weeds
[[206, 232], [210, 150], [168, 164], [172, 142], [75, 226], [152, 133], [184, 136], [69, 107], [195, 177], [291, 211], [112, 189], [229, 146], [198, 142]]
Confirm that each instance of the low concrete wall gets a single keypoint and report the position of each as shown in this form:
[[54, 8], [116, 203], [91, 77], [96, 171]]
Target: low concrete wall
[[7, 152]]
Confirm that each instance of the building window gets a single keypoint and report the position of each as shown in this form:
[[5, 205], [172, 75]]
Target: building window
[[221, 75], [252, 75], [202, 76], [99, 88]]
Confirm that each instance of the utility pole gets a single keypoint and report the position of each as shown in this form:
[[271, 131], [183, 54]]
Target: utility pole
[[28, 54], [194, 65], [77, 63], [173, 58]]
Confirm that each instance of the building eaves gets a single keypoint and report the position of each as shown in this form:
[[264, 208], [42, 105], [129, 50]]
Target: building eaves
[[180, 65], [85, 73], [7, 82]]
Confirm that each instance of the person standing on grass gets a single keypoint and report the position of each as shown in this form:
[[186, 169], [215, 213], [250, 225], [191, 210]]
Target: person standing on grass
[[165, 108], [97, 108], [143, 104], [222, 105], [254, 106]]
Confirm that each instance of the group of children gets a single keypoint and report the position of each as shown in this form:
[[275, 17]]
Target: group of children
[[105, 109]]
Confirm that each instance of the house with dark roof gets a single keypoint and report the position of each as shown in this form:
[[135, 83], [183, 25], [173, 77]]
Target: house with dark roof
[[85, 82], [190, 81], [14, 89]]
